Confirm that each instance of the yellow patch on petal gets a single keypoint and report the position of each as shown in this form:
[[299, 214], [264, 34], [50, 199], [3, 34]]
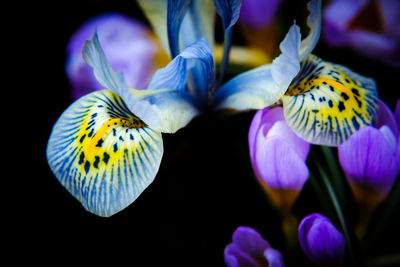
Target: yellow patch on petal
[[326, 102]]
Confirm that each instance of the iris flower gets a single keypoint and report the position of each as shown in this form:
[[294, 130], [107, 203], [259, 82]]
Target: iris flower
[[107, 146], [323, 102]]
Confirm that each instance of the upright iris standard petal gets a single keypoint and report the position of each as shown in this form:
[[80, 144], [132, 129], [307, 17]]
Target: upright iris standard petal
[[184, 25], [168, 110], [128, 44], [314, 24], [287, 65], [165, 109], [229, 11], [249, 248], [94, 56], [103, 154], [321, 241], [176, 11], [174, 74], [197, 23], [369, 160], [327, 102]]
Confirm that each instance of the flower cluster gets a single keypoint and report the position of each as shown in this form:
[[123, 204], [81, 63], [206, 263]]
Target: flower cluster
[[132, 84]]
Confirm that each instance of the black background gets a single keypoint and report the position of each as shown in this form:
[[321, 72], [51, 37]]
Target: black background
[[205, 187]]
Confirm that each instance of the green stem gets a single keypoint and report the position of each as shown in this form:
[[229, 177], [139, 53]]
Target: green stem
[[334, 170], [338, 211]]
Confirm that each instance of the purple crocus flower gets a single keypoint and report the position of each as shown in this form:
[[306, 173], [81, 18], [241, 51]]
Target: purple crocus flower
[[321, 241], [250, 249], [127, 44], [371, 27], [371, 159], [273, 147], [258, 14]]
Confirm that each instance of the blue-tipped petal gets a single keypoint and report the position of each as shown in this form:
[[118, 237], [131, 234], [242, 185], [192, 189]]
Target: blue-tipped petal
[[314, 24], [165, 110], [173, 76], [198, 22], [94, 56], [176, 11], [103, 154], [229, 11]]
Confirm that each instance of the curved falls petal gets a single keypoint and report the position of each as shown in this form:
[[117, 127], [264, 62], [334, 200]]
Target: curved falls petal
[[103, 154]]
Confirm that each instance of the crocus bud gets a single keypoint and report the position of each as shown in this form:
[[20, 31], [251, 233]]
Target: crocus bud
[[278, 156], [249, 248], [128, 46], [370, 159], [321, 241]]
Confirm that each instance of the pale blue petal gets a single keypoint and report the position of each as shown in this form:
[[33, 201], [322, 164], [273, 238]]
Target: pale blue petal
[[287, 65], [173, 76], [198, 23], [314, 24], [94, 56], [164, 110], [254, 89], [265, 85]]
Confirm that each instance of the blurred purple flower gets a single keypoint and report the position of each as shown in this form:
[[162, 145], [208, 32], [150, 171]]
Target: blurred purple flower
[[371, 158], [258, 14], [320, 240], [127, 44], [273, 147], [371, 27], [250, 249]]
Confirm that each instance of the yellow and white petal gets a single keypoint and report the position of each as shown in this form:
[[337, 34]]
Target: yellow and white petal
[[103, 154], [327, 102]]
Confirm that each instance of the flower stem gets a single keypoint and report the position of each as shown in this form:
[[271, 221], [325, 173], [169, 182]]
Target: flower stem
[[338, 211]]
